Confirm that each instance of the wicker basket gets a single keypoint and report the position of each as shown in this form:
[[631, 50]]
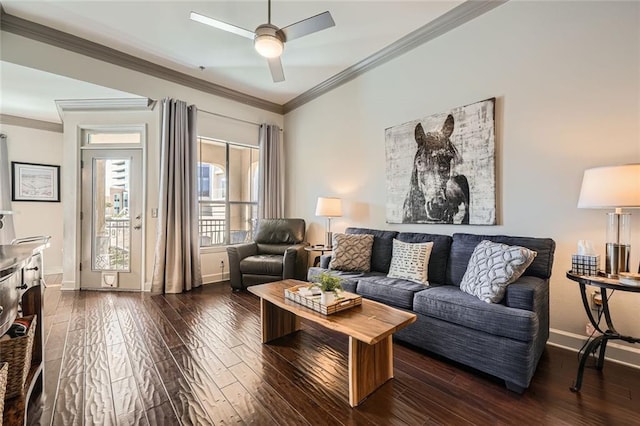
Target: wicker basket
[[17, 352], [4, 367]]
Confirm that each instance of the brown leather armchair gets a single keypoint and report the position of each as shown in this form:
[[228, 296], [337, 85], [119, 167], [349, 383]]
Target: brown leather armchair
[[277, 253]]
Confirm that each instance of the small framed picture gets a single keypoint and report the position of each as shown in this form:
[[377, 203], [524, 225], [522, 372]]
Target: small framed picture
[[35, 182]]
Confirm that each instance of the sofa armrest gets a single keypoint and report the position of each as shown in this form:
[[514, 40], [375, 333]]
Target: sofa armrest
[[325, 259], [528, 292], [236, 253], [295, 262]]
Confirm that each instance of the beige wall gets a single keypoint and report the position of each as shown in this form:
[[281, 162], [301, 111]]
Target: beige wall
[[38, 146], [567, 80]]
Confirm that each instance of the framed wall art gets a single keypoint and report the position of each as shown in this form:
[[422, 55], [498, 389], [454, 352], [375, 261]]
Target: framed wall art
[[35, 182], [441, 168]]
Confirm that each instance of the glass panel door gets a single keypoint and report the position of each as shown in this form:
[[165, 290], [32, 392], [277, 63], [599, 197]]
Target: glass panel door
[[112, 220], [111, 237]]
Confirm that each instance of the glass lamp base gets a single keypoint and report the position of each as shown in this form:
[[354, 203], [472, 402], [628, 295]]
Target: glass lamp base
[[617, 259]]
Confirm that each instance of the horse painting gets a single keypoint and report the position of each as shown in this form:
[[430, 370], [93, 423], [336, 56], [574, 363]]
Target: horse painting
[[436, 195]]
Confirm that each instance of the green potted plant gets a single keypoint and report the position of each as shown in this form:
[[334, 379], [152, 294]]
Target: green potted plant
[[329, 285]]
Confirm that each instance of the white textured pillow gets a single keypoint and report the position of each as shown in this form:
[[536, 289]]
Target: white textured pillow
[[351, 252], [492, 267], [410, 261]]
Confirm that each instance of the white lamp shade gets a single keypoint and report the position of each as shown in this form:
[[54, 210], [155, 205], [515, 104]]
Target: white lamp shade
[[329, 207], [611, 187]]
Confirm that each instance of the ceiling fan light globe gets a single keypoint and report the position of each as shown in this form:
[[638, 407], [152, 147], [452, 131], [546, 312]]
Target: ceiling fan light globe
[[268, 46], [267, 42]]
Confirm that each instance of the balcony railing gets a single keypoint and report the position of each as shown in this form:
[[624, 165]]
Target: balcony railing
[[113, 247], [211, 232]]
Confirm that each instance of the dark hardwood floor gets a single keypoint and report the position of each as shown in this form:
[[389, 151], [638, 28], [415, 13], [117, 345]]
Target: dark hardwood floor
[[196, 358]]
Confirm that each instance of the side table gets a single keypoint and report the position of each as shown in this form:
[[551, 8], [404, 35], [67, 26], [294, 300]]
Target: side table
[[610, 333], [322, 249]]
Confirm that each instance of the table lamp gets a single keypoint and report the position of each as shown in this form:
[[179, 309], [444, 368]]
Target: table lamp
[[329, 207], [614, 187]]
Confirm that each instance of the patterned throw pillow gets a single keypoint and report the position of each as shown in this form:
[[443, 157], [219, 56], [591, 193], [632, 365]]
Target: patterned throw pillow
[[492, 267], [351, 252], [410, 261]]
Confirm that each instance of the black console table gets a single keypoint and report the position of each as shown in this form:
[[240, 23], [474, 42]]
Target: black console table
[[610, 333]]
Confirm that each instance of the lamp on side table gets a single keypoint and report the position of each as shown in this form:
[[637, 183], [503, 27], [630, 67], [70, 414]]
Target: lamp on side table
[[614, 187], [329, 207]]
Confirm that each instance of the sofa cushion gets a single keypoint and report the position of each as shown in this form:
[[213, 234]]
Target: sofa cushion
[[351, 252], [464, 244], [262, 264], [439, 253], [382, 247], [392, 291], [492, 267], [449, 303], [410, 261]]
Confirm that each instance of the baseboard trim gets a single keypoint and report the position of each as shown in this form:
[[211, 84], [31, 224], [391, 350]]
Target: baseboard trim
[[214, 278], [617, 353], [68, 286], [53, 270]]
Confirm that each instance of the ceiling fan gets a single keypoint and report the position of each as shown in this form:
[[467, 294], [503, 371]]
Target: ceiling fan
[[268, 39]]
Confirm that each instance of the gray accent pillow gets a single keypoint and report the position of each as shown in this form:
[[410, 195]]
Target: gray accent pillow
[[351, 252], [492, 267], [410, 261]]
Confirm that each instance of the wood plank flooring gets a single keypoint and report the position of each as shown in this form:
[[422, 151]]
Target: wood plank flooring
[[196, 359]]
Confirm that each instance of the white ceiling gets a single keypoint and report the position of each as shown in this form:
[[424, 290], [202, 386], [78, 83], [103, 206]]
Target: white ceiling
[[161, 32]]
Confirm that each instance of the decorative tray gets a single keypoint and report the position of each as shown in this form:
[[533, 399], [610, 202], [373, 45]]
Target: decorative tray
[[629, 278], [347, 300]]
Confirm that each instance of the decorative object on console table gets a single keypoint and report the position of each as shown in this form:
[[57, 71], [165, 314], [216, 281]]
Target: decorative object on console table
[[329, 207], [614, 187]]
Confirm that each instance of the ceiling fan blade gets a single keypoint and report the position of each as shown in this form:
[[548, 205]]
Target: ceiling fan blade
[[221, 25], [307, 26], [277, 73]]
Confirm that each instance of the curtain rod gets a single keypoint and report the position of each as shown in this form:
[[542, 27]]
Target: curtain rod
[[230, 118]]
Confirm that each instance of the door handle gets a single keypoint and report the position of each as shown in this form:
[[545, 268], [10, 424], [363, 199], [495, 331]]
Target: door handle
[[137, 227]]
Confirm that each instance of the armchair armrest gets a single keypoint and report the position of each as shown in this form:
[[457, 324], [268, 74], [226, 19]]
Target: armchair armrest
[[236, 253], [295, 262]]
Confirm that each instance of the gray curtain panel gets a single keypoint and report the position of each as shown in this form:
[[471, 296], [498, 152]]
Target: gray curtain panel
[[8, 232], [176, 265], [271, 195]]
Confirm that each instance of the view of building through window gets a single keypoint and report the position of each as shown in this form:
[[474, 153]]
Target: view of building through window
[[227, 192]]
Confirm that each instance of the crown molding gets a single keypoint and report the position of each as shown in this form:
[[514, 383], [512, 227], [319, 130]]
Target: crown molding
[[53, 37], [13, 120], [454, 18]]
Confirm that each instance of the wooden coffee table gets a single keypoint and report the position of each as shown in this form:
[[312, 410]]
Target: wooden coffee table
[[369, 327]]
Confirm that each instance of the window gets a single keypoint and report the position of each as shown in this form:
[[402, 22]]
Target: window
[[227, 192]]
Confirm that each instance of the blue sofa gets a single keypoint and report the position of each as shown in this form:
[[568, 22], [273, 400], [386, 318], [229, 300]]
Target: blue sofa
[[503, 339]]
